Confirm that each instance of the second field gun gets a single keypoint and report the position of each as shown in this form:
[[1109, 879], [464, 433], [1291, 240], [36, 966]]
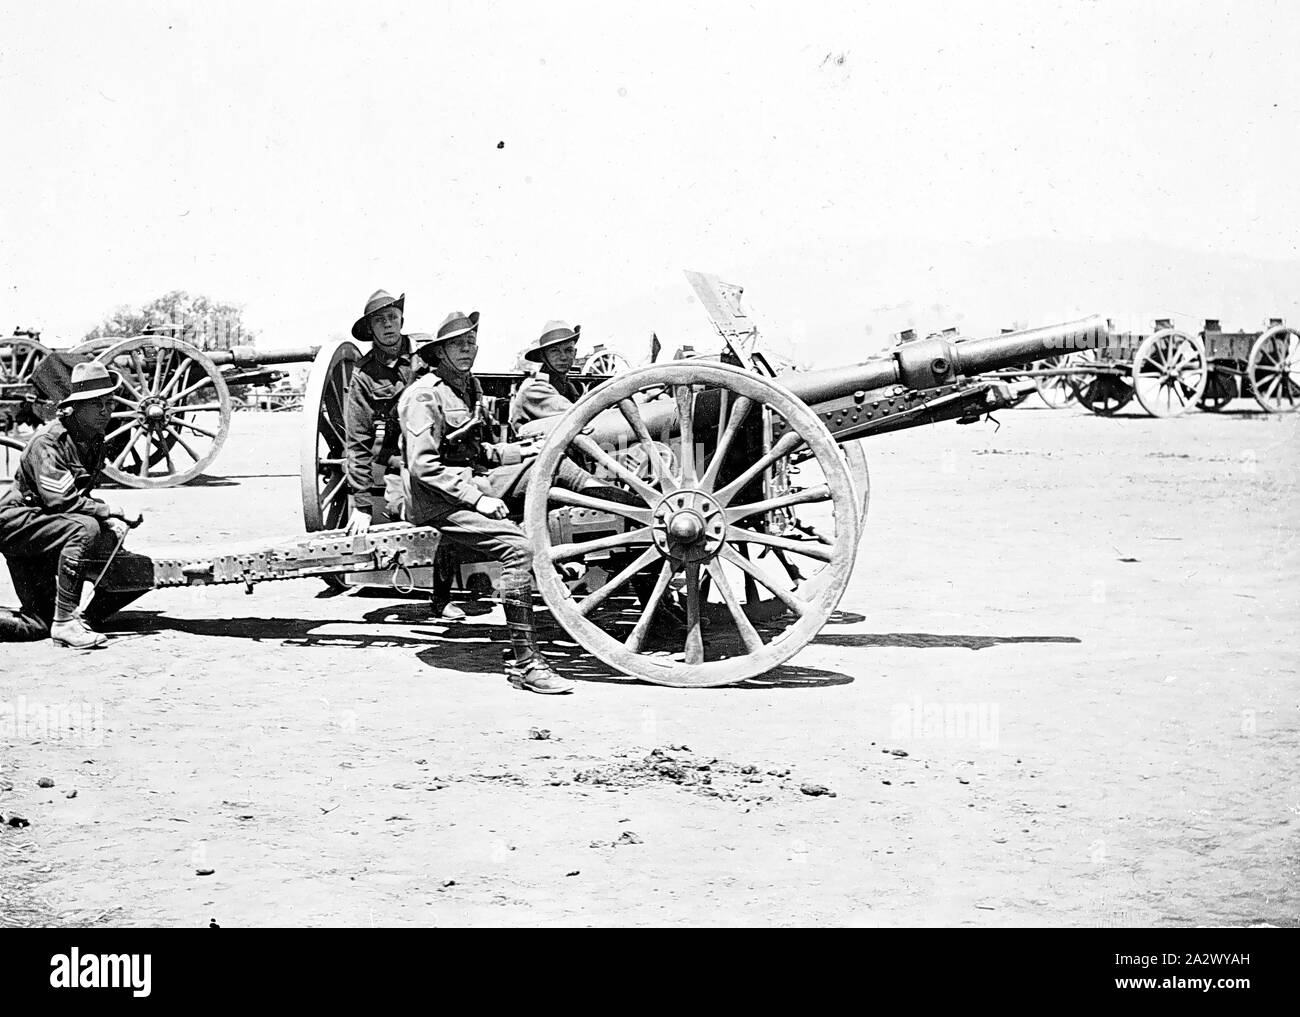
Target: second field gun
[[172, 413]]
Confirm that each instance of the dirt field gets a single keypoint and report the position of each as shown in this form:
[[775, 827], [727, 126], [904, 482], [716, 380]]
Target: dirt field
[[1061, 690]]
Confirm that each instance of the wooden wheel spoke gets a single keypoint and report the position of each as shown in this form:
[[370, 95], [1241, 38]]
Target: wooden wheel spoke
[[121, 430], [586, 444], [694, 648], [685, 396], [795, 603], [199, 408], [739, 411], [786, 444], [632, 414], [180, 372], [183, 443], [811, 549], [748, 634], [180, 396], [121, 456], [575, 498], [637, 637], [130, 387], [138, 365], [563, 552], [813, 494], [332, 491], [597, 597], [158, 369]]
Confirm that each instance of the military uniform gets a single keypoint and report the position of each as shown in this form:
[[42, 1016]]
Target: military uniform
[[373, 436], [542, 395], [447, 474], [50, 524]]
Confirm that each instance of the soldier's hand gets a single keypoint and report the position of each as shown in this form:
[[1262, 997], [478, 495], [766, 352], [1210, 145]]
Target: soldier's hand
[[118, 526], [493, 508], [133, 521], [359, 523]]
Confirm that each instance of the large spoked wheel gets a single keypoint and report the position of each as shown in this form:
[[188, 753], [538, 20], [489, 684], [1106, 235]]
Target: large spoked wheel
[[1104, 393], [699, 525], [1169, 372], [321, 452], [170, 417], [1056, 391], [1274, 370]]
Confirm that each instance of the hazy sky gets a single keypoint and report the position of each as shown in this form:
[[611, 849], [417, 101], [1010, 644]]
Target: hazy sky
[[293, 157]]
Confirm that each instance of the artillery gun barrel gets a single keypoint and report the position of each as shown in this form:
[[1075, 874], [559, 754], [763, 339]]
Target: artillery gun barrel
[[923, 364], [927, 363], [251, 356]]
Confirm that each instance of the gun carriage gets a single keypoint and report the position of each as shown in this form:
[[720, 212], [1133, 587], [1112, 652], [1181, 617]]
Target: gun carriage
[[172, 414], [752, 492]]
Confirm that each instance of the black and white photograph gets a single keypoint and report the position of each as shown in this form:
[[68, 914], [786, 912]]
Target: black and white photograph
[[677, 465]]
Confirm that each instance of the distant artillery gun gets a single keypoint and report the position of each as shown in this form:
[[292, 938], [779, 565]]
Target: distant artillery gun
[[753, 518], [171, 415], [1168, 371]]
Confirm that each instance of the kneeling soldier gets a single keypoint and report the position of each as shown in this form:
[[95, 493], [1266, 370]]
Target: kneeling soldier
[[460, 484], [49, 523]]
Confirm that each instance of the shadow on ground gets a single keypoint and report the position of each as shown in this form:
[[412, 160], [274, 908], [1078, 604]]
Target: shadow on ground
[[930, 640]]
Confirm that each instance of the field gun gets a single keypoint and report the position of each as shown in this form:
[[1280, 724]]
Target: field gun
[[172, 414], [753, 491]]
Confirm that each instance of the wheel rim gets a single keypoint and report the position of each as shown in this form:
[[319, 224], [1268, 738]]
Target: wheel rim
[[322, 453], [1274, 370], [1057, 391], [692, 525], [171, 414], [1169, 373]]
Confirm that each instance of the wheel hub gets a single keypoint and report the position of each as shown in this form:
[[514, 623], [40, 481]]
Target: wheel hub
[[688, 526], [153, 411]]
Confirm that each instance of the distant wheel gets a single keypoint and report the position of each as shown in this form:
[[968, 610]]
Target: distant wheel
[[322, 455], [1274, 370], [19, 359], [1220, 389], [1169, 372], [11, 452], [603, 361], [686, 526], [1104, 393], [1057, 391], [171, 416]]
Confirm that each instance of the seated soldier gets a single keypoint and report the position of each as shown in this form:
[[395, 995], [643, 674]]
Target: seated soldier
[[549, 392], [370, 415], [460, 484], [49, 523]]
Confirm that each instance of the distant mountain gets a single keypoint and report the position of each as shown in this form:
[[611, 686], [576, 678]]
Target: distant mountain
[[841, 301]]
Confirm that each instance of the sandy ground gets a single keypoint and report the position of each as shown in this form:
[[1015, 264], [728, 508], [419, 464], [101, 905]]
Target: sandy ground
[[1061, 690]]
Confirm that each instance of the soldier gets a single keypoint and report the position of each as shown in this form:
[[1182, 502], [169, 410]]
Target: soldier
[[460, 484], [49, 523], [373, 436], [548, 393], [370, 415]]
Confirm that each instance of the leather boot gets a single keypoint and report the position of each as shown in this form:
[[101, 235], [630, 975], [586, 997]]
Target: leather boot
[[73, 632], [529, 670]]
